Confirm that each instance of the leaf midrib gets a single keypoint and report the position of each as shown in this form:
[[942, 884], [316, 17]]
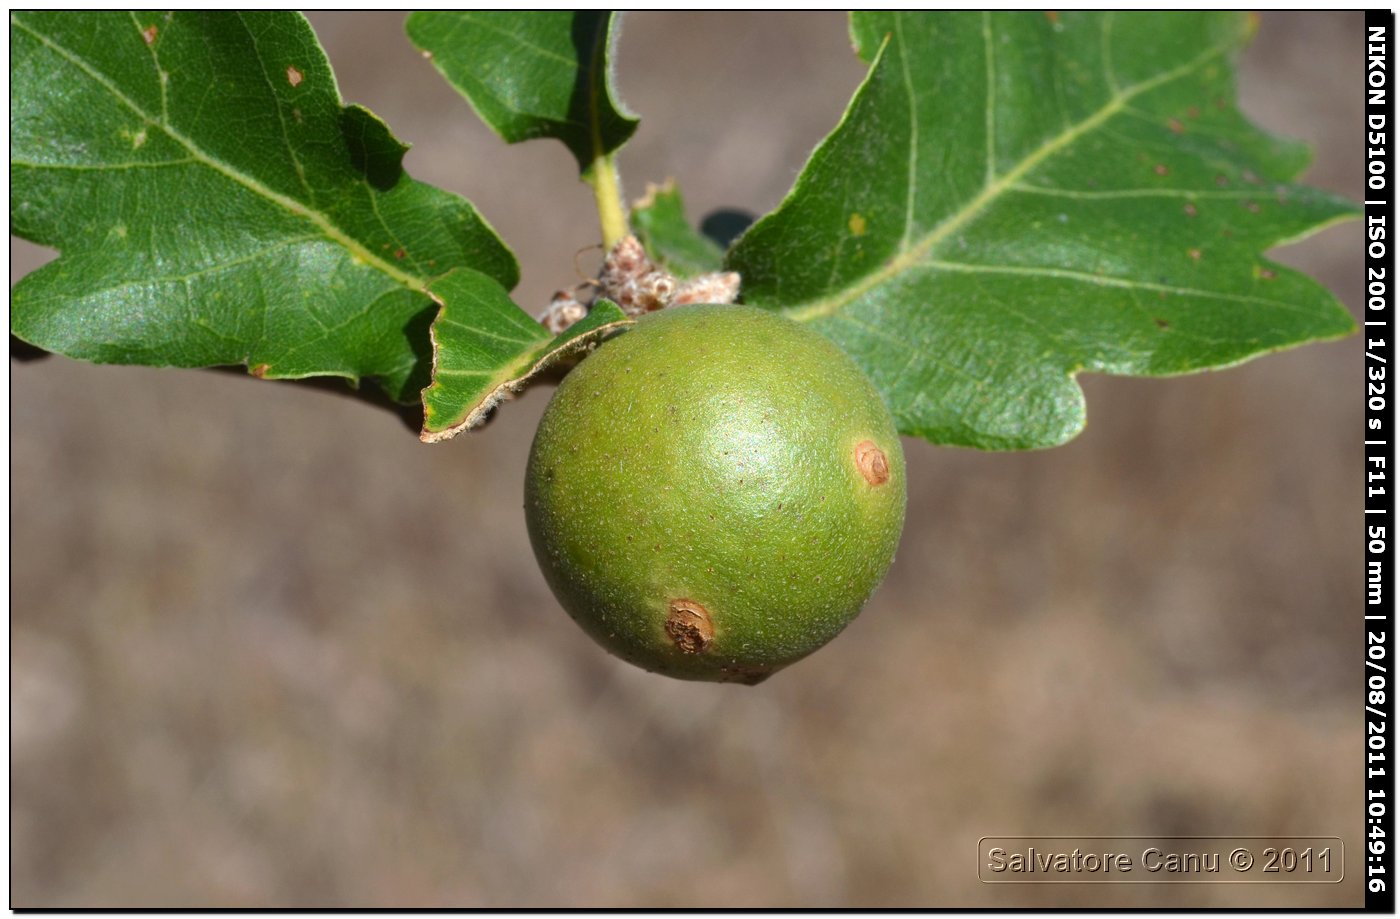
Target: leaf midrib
[[912, 256], [322, 221]]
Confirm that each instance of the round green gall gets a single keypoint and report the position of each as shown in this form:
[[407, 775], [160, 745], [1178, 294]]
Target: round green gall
[[715, 493]]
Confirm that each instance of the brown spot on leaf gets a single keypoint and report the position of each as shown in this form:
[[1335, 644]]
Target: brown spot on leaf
[[260, 370], [689, 626], [1194, 253], [1176, 126], [1193, 112], [1161, 323], [1052, 15], [1222, 180], [148, 34], [1190, 209], [399, 253], [1161, 169], [294, 76], [872, 463]]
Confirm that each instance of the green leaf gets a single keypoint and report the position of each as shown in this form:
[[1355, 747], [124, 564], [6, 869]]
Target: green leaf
[[373, 148], [1014, 198], [215, 203], [533, 74], [659, 221], [479, 364]]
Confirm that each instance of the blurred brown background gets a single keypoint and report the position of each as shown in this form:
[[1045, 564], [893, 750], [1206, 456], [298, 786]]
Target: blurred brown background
[[269, 650]]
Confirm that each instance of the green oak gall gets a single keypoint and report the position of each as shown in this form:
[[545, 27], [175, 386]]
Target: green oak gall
[[715, 493]]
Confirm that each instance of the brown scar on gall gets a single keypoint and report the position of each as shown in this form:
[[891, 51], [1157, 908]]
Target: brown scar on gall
[[747, 675], [689, 626], [872, 463]]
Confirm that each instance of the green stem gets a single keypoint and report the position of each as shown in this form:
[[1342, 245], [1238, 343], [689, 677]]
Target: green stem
[[608, 195]]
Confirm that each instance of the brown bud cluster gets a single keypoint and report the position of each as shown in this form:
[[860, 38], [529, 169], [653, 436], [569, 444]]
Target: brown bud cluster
[[638, 285]]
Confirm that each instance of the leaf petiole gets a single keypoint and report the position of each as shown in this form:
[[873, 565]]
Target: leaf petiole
[[607, 193]]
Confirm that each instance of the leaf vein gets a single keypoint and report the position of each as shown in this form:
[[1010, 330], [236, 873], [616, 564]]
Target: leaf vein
[[103, 167], [476, 330], [537, 49], [912, 161], [1107, 281], [281, 118], [1188, 193], [989, 55]]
